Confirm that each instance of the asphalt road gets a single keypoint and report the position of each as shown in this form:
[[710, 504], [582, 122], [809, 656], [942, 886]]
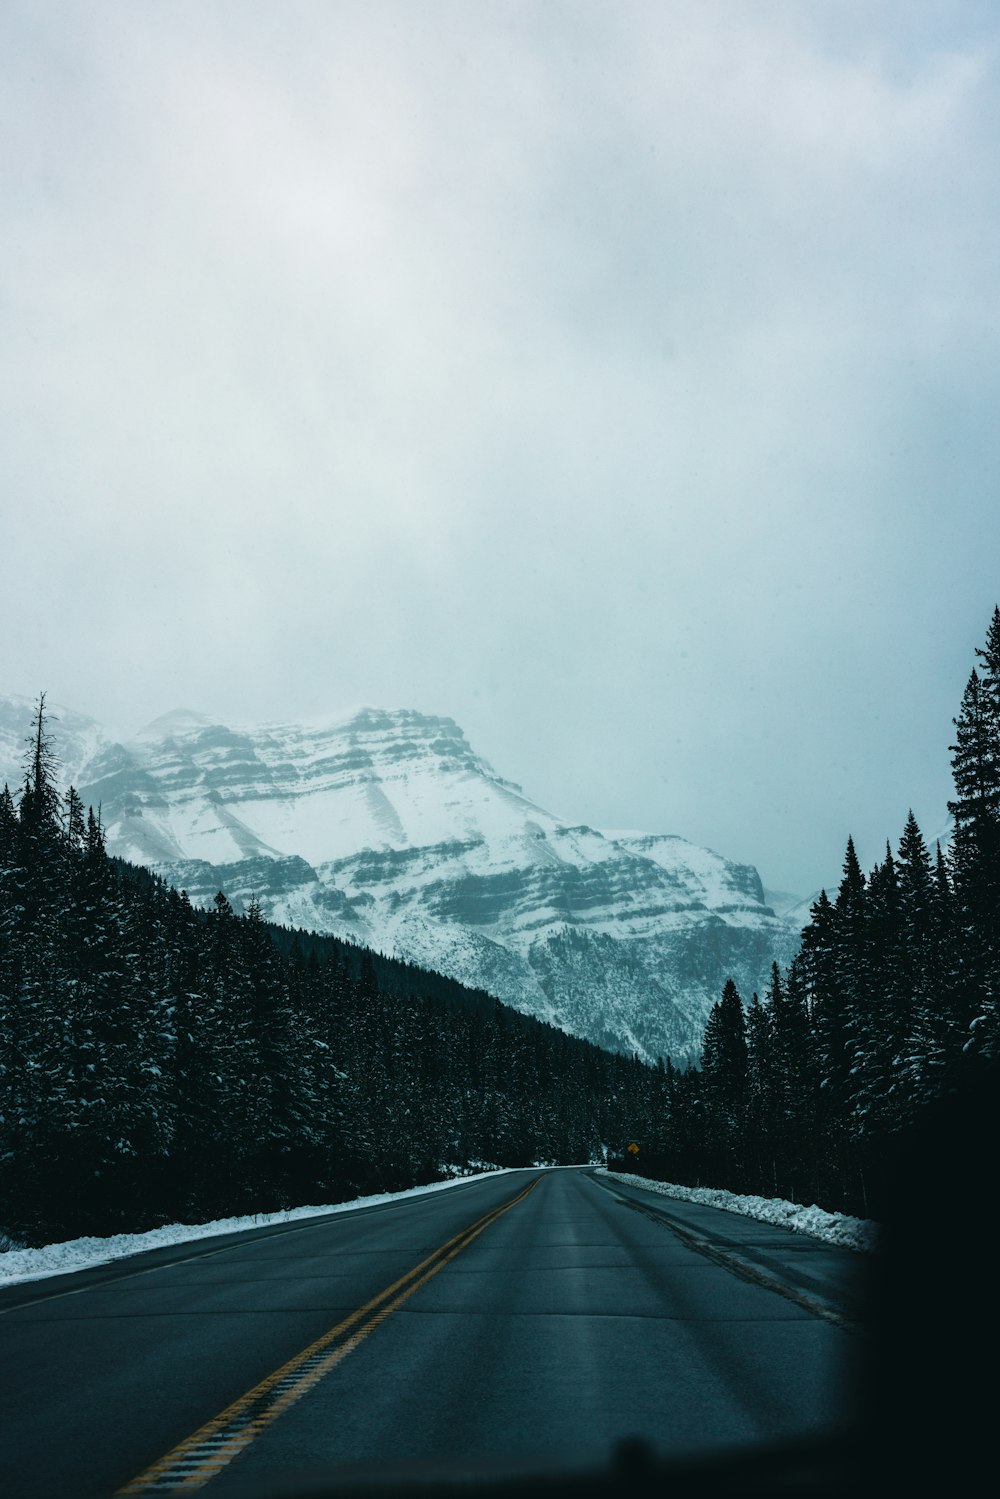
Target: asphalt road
[[536, 1317]]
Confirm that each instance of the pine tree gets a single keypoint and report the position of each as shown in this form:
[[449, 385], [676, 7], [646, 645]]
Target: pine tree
[[724, 1064], [915, 894], [74, 822], [41, 1060], [797, 1094], [976, 858], [762, 1078], [8, 828], [274, 1122], [790, 1081], [879, 1020], [989, 655], [823, 965], [976, 771]]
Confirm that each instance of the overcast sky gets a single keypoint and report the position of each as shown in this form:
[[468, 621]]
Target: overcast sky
[[619, 379]]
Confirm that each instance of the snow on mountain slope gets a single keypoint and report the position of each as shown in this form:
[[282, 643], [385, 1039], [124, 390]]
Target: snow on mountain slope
[[387, 828], [78, 740]]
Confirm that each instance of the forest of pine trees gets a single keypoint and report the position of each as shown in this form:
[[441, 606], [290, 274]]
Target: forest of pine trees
[[892, 1002], [161, 1062], [158, 1061]]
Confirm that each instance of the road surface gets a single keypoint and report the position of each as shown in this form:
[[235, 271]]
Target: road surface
[[536, 1316]]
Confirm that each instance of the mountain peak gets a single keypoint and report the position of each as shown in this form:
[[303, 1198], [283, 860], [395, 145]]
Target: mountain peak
[[179, 721], [384, 826]]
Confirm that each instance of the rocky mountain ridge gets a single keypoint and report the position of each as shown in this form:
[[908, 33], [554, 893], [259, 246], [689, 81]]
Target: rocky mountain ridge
[[387, 828]]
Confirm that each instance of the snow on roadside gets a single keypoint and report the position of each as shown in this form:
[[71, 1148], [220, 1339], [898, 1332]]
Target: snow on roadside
[[17, 1265], [835, 1228]]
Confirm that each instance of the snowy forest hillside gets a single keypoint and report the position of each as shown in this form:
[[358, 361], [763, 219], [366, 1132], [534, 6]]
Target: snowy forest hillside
[[388, 830], [158, 1061]]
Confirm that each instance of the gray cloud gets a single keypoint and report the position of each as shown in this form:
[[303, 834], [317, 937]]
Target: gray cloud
[[617, 378]]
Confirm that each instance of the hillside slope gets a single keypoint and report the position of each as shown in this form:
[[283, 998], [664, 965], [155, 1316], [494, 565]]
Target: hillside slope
[[387, 828]]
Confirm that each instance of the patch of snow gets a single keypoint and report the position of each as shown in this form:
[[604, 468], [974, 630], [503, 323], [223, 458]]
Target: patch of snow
[[17, 1265], [836, 1228], [406, 840]]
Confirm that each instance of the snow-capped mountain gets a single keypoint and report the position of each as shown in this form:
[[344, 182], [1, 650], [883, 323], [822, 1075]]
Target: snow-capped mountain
[[387, 828]]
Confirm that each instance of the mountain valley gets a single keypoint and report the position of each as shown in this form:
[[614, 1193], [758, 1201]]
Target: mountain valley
[[388, 829]]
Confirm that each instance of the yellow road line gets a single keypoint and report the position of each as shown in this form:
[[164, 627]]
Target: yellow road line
[[254, 1236], [193, 1462]]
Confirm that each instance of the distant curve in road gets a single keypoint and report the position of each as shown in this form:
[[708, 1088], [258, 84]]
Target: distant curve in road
[[534, 1317]]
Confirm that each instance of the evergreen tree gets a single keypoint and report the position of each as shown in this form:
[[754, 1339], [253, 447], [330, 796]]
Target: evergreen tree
[[74, 822], [761, 1166], [916, 895], [828, 1009], [976, 856], [879, 1019], [724, 1063], [796, 1088], [8, 829], [989, 656], [790, 1082]]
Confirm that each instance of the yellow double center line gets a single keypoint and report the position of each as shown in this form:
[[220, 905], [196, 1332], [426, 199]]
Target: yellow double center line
[[207, 1451]]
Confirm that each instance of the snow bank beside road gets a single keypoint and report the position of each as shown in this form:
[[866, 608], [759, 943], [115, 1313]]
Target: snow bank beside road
[[18, 1265], [835, 1228]]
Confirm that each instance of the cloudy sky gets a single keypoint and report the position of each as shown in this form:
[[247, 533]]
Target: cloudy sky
[[621, 379]]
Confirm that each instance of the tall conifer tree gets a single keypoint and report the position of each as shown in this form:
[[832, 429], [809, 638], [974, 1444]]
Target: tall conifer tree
[[976, 857]]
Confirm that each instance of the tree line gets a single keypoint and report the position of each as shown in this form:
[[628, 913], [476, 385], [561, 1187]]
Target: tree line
[[159, 1061], [892, 1002]]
